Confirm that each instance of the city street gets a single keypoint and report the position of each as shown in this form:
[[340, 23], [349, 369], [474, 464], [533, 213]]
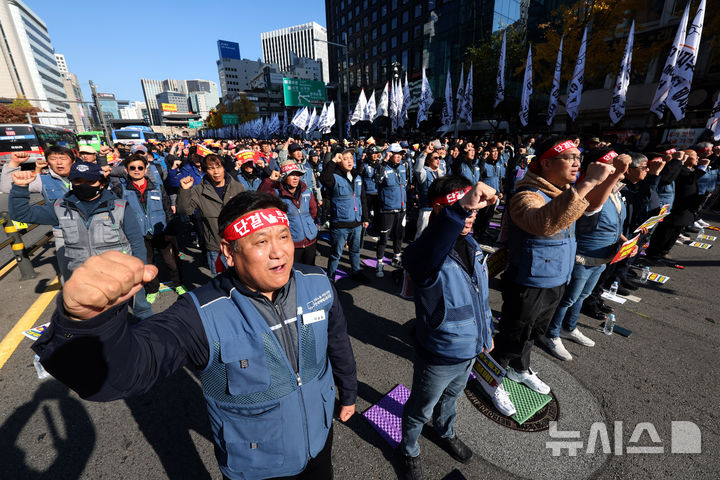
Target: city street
[[665, 371]]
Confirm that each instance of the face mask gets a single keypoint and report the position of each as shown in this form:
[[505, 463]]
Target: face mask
[[84, 191]]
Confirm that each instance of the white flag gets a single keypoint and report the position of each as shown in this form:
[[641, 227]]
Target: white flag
[[527, 90], [330, 121], [576, 83], [447, 111], [370, 108], [406, 103], [399, 101], [301, 119], [555, 91], [322, 119], [359, 113], [713, 123], [426, 99], [460, 95], [663, 86], [468, 95], [500, 81], [683, 73], [617, 107], [382, 107], [312, 123]]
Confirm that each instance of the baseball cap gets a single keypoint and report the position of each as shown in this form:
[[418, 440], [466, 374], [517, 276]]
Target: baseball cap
[[294, 147], [396, 148], [313, 153], [437, 145], [290, 168], [373, 149], [86, 170], [404, 144], [86, 149], [138, 148]]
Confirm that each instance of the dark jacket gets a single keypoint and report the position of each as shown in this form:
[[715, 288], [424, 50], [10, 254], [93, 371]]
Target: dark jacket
[[204, 198], [142, 197], [327, 178], [686, 198]]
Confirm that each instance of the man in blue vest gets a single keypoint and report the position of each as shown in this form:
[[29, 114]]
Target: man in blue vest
[[454, 320], [348, 211], [541, 254], [370, 164], [151, 205], [392, 183], [269, 339], [53, 185]]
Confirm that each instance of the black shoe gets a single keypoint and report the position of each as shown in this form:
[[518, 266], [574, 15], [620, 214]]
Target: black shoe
[[457, 449], [359, 277], [629, 285], [410, 468], [632, 273], [691, 229], [593, 313], [622, 291], [605, 308]]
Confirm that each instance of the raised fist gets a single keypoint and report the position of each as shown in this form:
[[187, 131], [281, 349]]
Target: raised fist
[[621, 164], [23, 178], [598, 172], [274, 175], [655, 166], [186, 183], [40, 164], [479, 196], [16, 158], [104, 281]]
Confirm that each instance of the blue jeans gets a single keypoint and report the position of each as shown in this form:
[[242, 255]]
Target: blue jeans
[[581, 286], [212, 255], [338, 237], [435, 391], [141, 307]]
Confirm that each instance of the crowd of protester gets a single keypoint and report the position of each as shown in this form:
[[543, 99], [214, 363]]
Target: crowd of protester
[[564, 206]]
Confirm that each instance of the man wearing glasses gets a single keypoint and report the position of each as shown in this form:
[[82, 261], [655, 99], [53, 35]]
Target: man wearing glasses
[[541, 254]]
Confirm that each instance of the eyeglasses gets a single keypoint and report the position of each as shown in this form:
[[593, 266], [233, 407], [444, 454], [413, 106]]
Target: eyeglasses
[[640, 167], [88, 153], [434, 157], [570, 158], [136, 168]]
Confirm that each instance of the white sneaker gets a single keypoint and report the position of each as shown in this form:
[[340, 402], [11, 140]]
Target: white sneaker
[[556, 347], [683, 238], [501, 400], [529, 379], [698, 224], [576, 336], [703, 223]]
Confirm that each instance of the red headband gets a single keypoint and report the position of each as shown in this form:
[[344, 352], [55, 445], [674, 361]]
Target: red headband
[[607, 158], [252, 222], [289, 167], [670, 152], [557, 149], [451, 197]]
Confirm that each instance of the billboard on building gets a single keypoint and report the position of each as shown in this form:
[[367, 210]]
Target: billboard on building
[[303, 93], [228, 49], [169, 107]]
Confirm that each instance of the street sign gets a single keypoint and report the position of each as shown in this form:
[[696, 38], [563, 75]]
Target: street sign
[[195, 123], [229, 119], [303, 93]]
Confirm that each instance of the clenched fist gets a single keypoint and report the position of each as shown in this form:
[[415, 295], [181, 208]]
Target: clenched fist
[[23, 178], [17, 158], [187, 182], [104, 281], [621, 164], [479, 196], [597, 173]]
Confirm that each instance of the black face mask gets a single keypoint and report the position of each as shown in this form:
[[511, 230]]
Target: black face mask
[[84, 191]]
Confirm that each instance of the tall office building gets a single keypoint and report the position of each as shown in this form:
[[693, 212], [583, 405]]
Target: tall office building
[[61, 64], [278, 46], [29, 68], [78, 110], [170, 85], [234, 72], [151, 89]]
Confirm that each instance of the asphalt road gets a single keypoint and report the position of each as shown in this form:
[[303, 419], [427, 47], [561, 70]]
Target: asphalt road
[[665, 371]]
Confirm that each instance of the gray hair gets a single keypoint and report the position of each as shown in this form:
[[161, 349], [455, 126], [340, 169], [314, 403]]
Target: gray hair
[[637, 159]]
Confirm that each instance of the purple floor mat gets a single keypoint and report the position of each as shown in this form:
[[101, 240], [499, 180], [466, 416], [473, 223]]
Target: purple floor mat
[[372, 262], [340, 274], [501, 207], [494, 225], [386, 415]]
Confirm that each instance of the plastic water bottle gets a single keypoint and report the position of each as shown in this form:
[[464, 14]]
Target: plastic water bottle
[[614, 288], [645, 274], [609, 324], [701, 232]]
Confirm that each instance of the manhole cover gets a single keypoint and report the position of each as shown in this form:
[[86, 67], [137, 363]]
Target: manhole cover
[[537, 423]]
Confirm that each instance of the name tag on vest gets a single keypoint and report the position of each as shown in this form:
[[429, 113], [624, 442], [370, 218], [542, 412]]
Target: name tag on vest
[[155, 197], [313, 317]]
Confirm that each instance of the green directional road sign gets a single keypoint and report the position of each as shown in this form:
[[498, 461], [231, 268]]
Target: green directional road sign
[[303, 93], [229, 119], [195, 124]]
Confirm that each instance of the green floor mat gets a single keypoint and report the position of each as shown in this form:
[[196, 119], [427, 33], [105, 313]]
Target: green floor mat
[[527, 402]]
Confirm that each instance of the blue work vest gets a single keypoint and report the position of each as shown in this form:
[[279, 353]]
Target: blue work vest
[[250, 186], [666, 194], [600, 240], [541, 262], [392, 184], [151, 217], [267, 420], [424, 187], [53, 188], [346, 200], [368, 175], [462, 301], [302, 225], [472, 173], [708, 182], [494, 175]]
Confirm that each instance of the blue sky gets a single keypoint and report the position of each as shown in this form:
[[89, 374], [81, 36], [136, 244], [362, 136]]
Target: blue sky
[[115, 44]]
